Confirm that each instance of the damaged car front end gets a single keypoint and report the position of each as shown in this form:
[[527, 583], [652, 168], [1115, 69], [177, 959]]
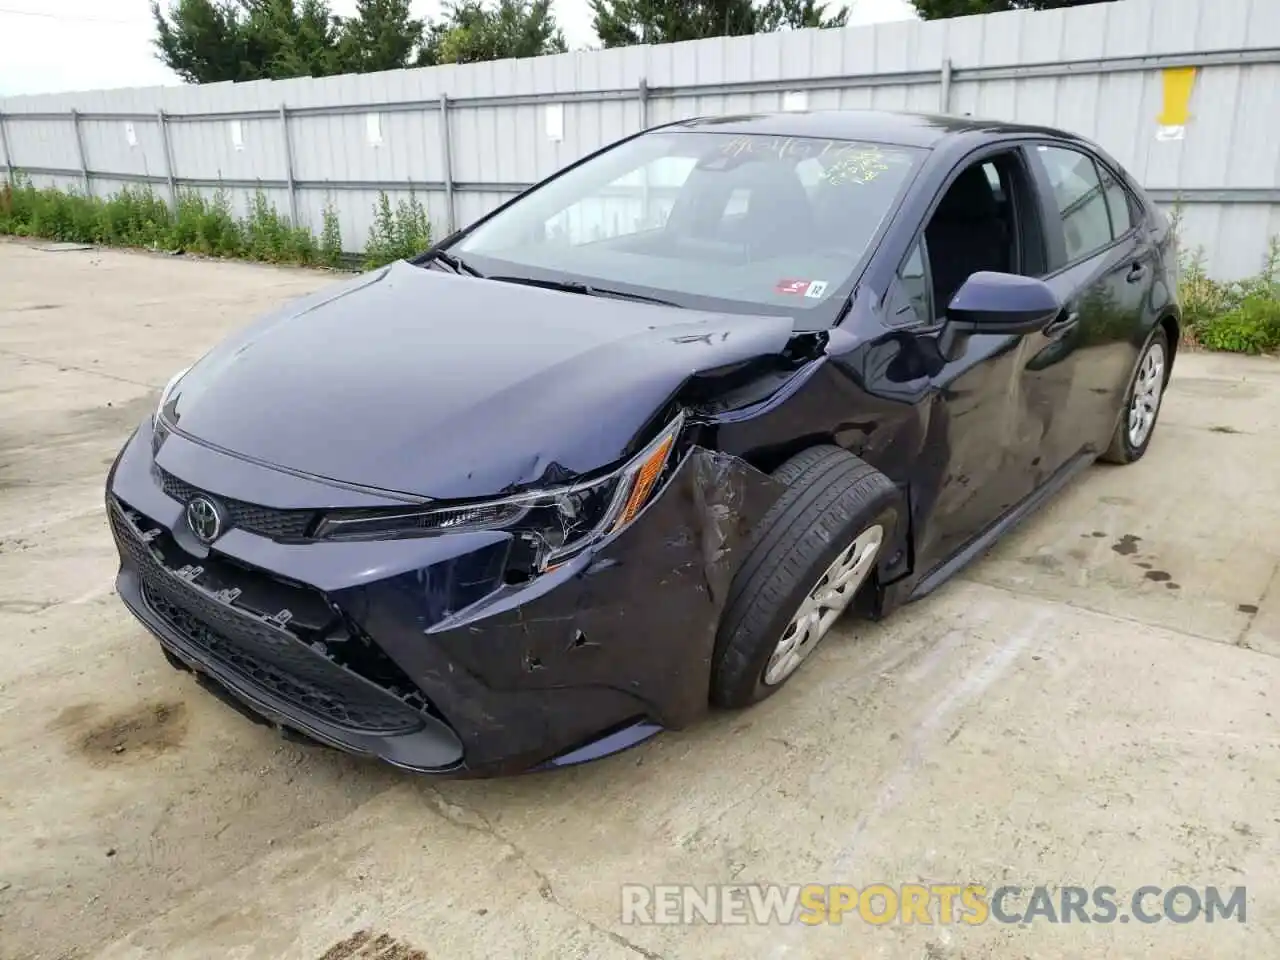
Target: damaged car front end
[[482, 635]]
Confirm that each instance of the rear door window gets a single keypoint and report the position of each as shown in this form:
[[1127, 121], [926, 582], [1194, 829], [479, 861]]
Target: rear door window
[[1081, 201], [1118, 203]]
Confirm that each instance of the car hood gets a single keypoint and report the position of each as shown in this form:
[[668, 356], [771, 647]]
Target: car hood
[[425, 383]]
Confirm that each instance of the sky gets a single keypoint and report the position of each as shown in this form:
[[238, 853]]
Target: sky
[[53, 46]]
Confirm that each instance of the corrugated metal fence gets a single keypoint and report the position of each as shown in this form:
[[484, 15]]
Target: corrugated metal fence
[[1185, 93]]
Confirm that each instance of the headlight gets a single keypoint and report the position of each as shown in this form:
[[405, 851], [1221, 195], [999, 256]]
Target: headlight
[[168, 389], [556, 524]]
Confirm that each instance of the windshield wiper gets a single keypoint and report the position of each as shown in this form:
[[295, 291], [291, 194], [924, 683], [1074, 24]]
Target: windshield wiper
[[456, 264], [587, 289]]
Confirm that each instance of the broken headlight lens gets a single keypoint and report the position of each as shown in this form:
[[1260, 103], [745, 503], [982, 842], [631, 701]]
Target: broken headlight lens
[[159, 428], [166, 393], [555, 524]]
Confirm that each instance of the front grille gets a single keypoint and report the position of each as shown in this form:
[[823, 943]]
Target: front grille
[[262, 652], [264, 521]]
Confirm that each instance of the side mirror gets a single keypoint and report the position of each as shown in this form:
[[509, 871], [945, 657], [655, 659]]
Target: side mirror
[[1002, 303]]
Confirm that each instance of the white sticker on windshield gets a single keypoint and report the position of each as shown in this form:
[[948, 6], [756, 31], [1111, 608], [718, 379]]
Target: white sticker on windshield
[[816, 288]]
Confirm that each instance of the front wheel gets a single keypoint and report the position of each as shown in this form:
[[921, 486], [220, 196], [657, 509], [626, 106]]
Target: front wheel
[[815, 549], [1142, 403]]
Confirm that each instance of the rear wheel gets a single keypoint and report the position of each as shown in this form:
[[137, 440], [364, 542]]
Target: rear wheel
[[1142, 403], [814, 550]]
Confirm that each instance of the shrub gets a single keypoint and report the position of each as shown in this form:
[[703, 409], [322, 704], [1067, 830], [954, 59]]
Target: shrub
[[331, 238], [396, 235], [1240, 316], [1202, 297], [219, 233], [1252, 327], [134, 218], [137, 217], [272, 237]]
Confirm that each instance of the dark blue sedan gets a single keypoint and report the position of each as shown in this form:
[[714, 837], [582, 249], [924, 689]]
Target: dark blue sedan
[[628, 447]]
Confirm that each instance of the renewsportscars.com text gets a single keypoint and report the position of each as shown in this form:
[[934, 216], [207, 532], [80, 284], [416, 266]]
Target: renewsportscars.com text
[[913, 903]]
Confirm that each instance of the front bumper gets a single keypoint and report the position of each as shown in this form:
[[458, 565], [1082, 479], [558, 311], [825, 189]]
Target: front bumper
[[417, 651]]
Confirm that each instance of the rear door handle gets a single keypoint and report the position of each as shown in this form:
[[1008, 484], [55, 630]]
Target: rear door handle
[[1057, 328], [1136, 273]]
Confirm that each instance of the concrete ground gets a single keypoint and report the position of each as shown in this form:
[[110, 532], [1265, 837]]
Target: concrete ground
[[1095, 703]]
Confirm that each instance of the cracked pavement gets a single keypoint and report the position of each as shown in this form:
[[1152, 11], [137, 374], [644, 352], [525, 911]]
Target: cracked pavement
[[1094, 702]]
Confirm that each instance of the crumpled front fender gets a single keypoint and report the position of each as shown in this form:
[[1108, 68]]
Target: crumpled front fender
[[625, 631]]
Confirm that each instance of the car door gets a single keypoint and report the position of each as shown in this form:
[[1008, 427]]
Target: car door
[[986, 421], [1102, 269]]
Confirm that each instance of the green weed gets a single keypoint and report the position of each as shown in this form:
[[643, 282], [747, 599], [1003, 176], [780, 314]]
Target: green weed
[[330, 238], [1239, 316], [396, 234], [197, 223]]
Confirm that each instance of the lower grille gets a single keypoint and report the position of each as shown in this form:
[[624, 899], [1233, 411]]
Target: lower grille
[[259, 651]]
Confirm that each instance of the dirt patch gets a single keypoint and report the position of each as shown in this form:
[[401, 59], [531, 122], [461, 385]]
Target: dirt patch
[[145, 731], [1127, 545], [363, 945]]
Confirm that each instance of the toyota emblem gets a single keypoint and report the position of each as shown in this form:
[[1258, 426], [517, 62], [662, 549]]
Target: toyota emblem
[[204, 518]]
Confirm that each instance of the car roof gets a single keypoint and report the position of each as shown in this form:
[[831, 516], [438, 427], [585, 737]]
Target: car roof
[[877, 126]]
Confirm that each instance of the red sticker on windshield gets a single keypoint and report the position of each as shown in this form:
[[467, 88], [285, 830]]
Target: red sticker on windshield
[[805, 288], [791, 286]]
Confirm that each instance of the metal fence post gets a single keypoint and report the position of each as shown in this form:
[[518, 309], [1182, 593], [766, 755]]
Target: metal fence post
[[646, 200], [168, 159], [288, 164], [84, 166], [944, 97], [446, 159], [4, 152]]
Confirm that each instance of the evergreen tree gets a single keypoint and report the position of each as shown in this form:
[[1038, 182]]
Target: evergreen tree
[[797, 14], [381, 36], [622, 23], [473, 31], [941, 9]]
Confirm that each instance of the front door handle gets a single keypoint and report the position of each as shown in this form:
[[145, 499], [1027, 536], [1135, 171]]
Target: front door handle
[[1059, 327], [1136, 273]]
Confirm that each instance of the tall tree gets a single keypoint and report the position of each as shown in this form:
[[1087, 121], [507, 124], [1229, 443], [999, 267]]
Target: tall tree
[[796, 15], [207, 41], [621, 23], [201, 41], [381, 36], [941, 9], [287, 39], [473, 31]]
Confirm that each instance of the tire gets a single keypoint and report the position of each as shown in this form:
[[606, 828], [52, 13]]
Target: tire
[[1127, 443], [828, 517]]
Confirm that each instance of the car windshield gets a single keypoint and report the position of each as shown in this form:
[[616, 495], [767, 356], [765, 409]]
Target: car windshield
[[746, 223]]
